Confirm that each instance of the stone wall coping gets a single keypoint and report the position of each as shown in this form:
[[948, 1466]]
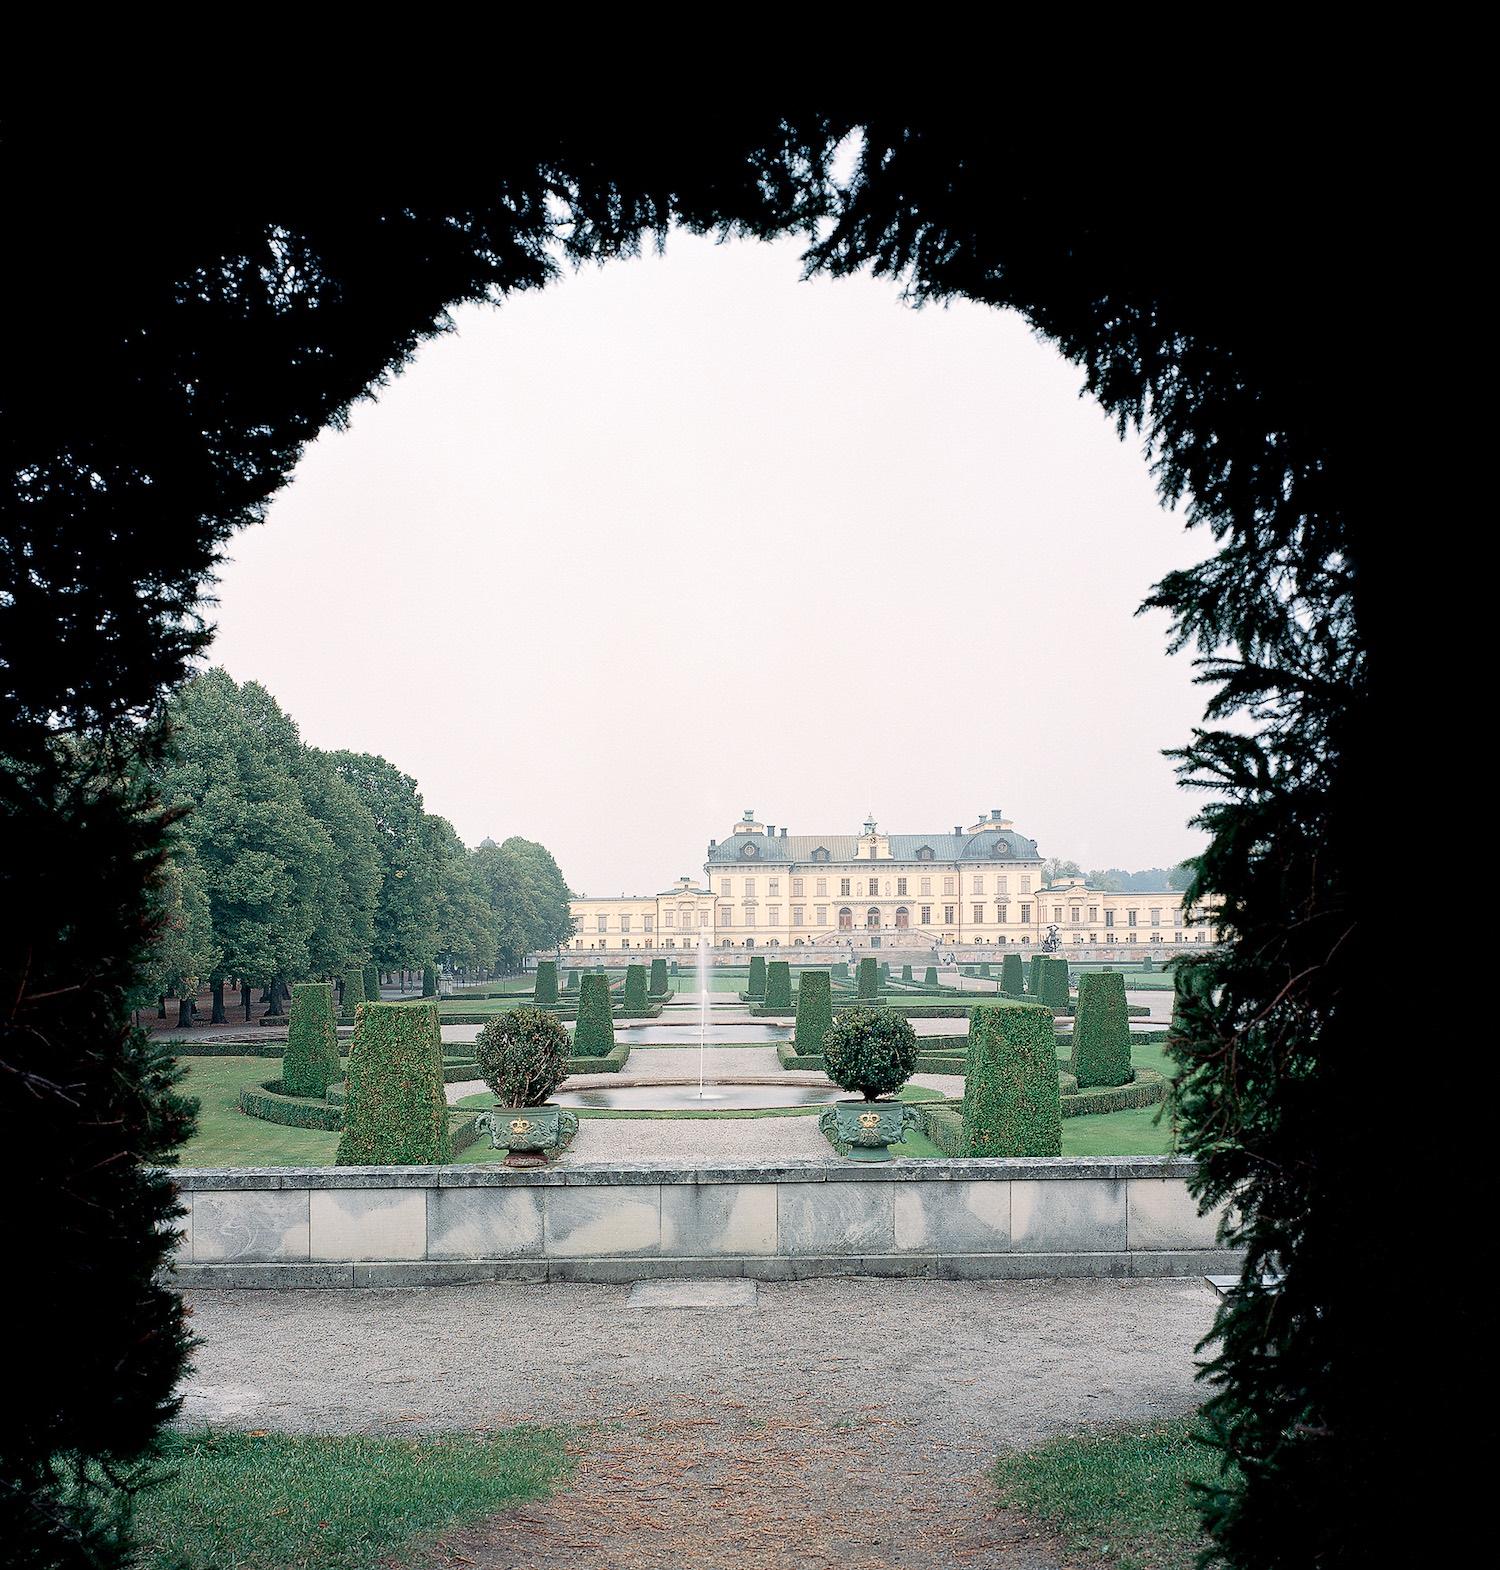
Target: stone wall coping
[[993, 1169]]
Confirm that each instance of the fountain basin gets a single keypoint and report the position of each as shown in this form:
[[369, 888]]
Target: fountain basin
[[686, 1098]]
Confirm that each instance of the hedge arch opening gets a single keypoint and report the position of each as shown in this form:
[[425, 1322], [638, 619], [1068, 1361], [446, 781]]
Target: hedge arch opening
[[214, 330]]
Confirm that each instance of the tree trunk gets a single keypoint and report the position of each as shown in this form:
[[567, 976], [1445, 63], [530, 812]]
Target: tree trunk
[[245, 1000], [218, 1017], [184, 1013], [161, 1006]]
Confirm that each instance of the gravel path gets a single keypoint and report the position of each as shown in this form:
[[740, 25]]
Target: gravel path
[[754, 1436]]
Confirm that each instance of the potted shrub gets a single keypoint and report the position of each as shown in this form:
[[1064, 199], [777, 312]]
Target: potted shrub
[[522, 1056], [872, 1052]]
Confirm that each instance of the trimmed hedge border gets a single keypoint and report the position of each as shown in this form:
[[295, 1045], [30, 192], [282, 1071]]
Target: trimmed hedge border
[[943, 1122], [606, 1063], [269, 1103]]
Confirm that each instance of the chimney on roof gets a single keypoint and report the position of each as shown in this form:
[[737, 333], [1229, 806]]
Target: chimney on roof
[[712, 843], [770, 831], [958, 828], [783, 834]]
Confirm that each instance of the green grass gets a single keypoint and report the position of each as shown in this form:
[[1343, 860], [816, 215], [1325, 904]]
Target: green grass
[[1118, 1494], [227, 1138], [270, 1501]]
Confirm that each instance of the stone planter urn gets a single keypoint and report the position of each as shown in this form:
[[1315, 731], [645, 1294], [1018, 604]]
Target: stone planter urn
[[527, 1133], [868, 1127]]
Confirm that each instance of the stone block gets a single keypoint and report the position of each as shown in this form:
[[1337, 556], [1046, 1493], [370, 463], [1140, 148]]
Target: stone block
[[368, 1223], [1163, 1215], [249, 1225], [1074, 1216], [718, 1219], [602, 1222], [835, 1218], [484, 1223], [952, 1218]]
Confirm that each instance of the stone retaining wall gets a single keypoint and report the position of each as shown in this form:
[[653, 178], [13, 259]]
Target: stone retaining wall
[[417, 1226]]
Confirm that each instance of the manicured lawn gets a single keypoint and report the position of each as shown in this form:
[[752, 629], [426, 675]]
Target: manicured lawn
[[1120, 1495], [227, 1138], [269, 1501]]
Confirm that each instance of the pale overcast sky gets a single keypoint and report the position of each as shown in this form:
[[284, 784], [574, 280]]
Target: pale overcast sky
[[683, 536]]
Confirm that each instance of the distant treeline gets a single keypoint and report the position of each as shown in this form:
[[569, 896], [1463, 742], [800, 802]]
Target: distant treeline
[[288, 862]]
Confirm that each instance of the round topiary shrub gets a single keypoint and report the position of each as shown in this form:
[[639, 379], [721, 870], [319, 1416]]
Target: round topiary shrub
[[870, 1051], [523, 1056]]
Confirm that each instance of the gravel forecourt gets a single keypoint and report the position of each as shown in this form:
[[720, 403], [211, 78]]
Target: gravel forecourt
[[847, 1422]]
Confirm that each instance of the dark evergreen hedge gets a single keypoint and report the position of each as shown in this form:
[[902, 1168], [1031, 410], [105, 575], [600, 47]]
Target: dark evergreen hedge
[[870, 1051], [659, 982], [311, 1062], [1012, 1105], [814, 1011], [372, 982], [756, 987], [271, 1104], [1013, 975], [930, 979], [906, 972], [1034, 979], [779, 985], [429, 981], [594, 1034], [545, 990], [354, 992], [635, 989], [572, 981], [395, 1113], [841, 970], [869, 979], [1101, 1031]]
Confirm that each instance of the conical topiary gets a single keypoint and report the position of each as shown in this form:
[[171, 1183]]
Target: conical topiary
[[311, 1063], [396, 1113], [814, 1012], [659, 983], [635, 989], [594, 1035], [545, 990], [1012, 1101], [1034, 980], [779, 985], [1101, 1031], [429, 981], [372, 982], [930, 979], [869, 979], [906, 972], [354, 992], [1013, 975], [756, 987], [1055, 984]]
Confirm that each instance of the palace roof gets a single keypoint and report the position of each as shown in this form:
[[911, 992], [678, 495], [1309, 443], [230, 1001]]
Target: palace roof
[[989, 845]]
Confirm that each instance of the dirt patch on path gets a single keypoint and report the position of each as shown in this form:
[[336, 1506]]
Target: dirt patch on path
[[717, 1489]]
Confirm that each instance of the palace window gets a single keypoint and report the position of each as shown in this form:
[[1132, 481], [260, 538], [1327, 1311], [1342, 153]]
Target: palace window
[[1025, 912], [773, 915], [843, 885], [726, 886], [1093, 913], [1109, 919], [648, 923], [924, 853], [1026, 883], [978, 915], [726, 917], [948, 887], [948, 914], [1057, 914], [874, 885], [1003, 884], [603, 923], [1156, 915], [978, 884], [749, 915], [775, 887], [750, 888], [822, 914], [669, 918], [820, 888], [1074, 911], [797, 916], [927, 915], [1002, 913], [624, 923], [1177, 917], [820, 854], [900, 888], [796, 888], [926, 886], [1130, 916]]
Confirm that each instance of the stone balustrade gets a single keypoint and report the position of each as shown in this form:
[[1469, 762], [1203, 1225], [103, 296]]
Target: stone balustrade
[[413, 1226]]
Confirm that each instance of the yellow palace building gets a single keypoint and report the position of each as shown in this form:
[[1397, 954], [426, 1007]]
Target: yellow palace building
[[978, 887]]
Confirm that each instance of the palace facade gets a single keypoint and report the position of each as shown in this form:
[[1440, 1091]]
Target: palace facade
[[980, 885]]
